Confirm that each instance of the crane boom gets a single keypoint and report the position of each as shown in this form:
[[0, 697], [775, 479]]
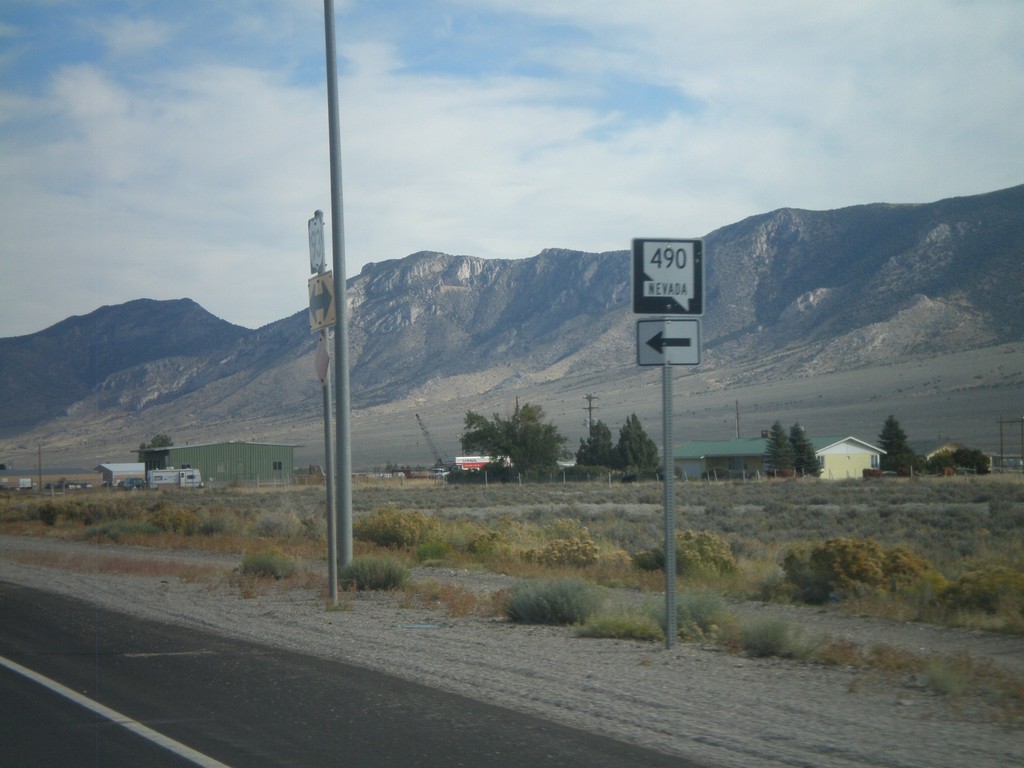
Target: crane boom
[[430, 442]]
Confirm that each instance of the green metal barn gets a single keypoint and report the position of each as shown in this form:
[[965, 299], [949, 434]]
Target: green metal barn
[[234, 463]]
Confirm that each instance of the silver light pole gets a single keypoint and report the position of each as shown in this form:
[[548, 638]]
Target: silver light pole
[[343, 443]]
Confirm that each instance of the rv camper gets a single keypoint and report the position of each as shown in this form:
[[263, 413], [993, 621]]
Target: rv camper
[[175, 478]]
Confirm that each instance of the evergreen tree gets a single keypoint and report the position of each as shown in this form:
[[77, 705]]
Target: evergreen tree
[[597, 450], [805, 460], [528, 442], [778, 453], [893, 440], [636, 451]]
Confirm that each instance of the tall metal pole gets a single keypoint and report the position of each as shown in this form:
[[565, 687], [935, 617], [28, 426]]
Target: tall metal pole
[[343, 443], [670, 506]]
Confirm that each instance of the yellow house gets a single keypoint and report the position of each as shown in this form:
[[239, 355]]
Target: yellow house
[[838, 457]]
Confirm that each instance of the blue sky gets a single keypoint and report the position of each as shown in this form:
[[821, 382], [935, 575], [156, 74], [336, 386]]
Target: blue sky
[[176, 149]]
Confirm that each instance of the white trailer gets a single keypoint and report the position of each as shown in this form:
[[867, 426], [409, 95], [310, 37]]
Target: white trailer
[[174, 478]]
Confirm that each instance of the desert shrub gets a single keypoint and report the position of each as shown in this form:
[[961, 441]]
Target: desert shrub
[[217, 523], [991, 589], [115, 530], [700, 614], [174, 519], [574, 552], [48, 512], [849, 566], [268, 562], [835, 567], [698, 553], [770, 637], [432, 550], [849, 563], [374, 573], [277, 525], [703, 552], [903, 567], [490, 544], [394, 528], [313, 526], [621, 625], [562, 601]]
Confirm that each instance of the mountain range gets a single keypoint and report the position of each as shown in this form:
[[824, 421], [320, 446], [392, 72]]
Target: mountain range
[[843, 303]]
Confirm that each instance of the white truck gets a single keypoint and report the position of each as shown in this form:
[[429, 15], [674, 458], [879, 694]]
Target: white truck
[[174, 478]]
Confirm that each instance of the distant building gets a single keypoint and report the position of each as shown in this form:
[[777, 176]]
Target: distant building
[[231, 463], [49, 478], [838, 457], [112, 474]]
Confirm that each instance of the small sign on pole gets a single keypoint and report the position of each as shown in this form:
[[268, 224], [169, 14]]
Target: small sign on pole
[[668, 341], [316, 243], [321, 301], [668, 276]]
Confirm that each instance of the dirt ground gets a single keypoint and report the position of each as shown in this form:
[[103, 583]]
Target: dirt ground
[[694, 700]]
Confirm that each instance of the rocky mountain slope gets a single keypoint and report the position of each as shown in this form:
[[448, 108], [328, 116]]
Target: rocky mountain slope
[[789, 294]]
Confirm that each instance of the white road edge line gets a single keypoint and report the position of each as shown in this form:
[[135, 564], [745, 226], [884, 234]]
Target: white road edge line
[[116, 717]]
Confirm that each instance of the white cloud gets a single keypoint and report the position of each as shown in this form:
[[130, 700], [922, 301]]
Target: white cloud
[[185, 157]]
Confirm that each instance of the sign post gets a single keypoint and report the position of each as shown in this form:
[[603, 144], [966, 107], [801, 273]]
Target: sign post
[[322, 317], [668, 279]]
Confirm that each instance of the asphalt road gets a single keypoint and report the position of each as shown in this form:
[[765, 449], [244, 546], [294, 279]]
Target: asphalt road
[[244, 704]]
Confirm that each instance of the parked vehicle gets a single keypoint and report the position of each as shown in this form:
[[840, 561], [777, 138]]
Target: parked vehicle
[[175, 478], [133, 483]]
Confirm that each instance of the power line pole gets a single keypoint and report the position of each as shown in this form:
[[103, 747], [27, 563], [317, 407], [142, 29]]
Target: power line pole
[[590, 413]]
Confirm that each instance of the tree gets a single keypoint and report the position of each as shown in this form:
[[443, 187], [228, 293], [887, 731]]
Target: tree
[[528, 442], [962, 458], [636, 451], [778, 453], [893, 440], [597, 450], [160, 440], [805, 460]]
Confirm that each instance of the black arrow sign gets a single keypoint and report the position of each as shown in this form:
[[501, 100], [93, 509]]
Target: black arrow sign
[[658, 342], [321, 300]]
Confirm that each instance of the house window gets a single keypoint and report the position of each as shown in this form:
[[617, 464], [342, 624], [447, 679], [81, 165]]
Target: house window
[[278, 466], [874, 461]]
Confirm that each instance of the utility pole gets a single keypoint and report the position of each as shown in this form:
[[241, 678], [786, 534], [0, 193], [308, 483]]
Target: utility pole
[[590, 413]]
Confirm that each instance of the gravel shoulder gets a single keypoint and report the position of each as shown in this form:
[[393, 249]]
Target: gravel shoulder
[[694, 701]]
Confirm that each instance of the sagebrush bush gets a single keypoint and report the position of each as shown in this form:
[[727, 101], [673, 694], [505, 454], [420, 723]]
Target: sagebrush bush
[[174, 519], [991, 589], [432, 550], [394, 528], [701, 614], [118, 529], [268, 562], [370, 573], [698, 553], [561, 601], [490, 544], [771, 637], [849, 566], [621, 626], [574, 553]]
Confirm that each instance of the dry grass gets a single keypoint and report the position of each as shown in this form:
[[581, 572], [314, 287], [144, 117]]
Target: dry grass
[[958, 524]]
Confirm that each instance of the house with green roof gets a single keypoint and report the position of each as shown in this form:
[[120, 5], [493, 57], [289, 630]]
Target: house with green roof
[[839, 457]]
